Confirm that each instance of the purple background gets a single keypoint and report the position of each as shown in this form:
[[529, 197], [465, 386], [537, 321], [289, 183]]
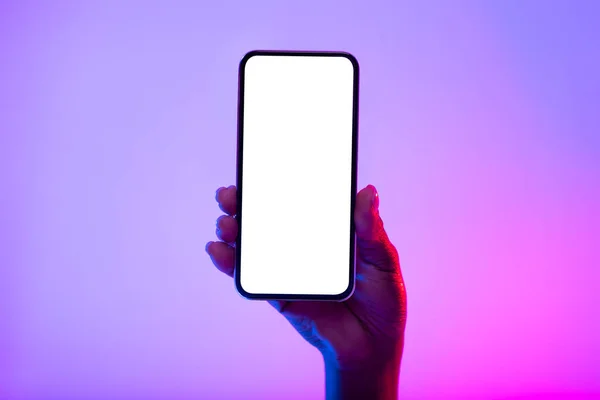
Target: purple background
[[480, 126]]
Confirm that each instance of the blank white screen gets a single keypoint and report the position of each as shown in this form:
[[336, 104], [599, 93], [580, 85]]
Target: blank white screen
[[296, 171]]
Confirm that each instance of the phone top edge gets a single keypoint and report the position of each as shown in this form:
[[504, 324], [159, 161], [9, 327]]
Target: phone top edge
[[304, 53]]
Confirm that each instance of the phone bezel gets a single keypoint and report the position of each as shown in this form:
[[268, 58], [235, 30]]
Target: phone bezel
[[240, 136]]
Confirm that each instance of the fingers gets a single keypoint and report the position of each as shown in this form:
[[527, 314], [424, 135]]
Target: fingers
[[366, 213], [227, 228], [373, 245], [222, 255], [227, 199]]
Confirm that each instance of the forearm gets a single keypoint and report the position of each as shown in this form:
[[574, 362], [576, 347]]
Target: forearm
[[374, 383]]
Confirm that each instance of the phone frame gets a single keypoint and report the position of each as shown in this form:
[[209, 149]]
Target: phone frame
[[240, 143]]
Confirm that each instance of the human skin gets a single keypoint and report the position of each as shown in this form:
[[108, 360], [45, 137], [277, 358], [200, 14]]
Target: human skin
[[361, 339]]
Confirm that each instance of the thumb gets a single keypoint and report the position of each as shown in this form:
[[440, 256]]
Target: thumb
[[373, 245]]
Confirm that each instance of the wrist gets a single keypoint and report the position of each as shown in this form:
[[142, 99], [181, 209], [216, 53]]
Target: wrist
[[374, 381]]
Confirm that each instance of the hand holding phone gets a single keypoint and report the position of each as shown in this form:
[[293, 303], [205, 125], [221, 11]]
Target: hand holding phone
[[362, 338]]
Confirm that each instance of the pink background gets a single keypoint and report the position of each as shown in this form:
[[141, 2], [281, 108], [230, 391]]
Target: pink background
[[480, 126]]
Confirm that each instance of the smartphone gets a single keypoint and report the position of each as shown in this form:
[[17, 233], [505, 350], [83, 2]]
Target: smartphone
[[296, 175]]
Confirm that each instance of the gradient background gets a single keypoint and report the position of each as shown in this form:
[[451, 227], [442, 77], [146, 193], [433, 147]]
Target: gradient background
[[480, 126]]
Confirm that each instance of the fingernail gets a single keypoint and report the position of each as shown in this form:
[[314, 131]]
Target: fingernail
[[207, 246], [374, 197]]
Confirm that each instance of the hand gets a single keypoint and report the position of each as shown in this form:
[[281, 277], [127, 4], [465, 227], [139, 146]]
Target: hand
[[361, 339]]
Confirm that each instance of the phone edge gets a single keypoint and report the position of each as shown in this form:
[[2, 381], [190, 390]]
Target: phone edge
[[349, 291]]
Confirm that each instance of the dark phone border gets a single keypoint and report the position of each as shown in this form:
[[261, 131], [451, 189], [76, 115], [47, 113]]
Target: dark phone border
[[237, 271]]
